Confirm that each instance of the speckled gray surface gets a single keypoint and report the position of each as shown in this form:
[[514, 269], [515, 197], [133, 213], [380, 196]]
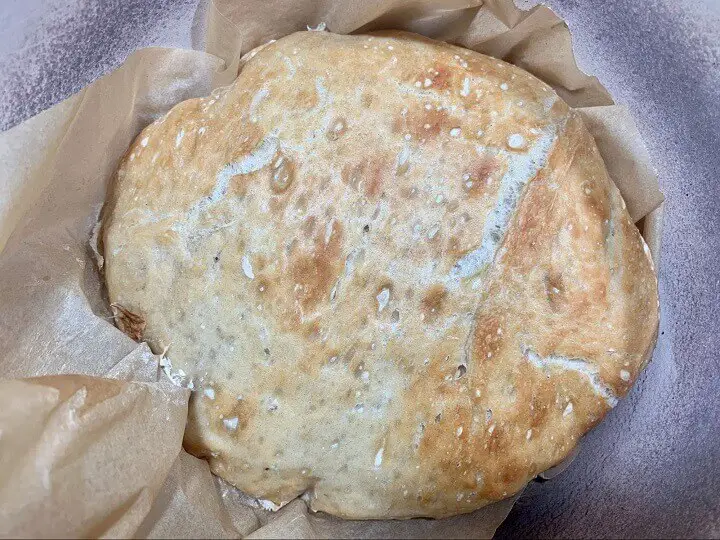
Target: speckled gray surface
[[652, 469]]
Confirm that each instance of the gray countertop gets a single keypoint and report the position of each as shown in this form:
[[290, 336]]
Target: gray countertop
[[652, 469]]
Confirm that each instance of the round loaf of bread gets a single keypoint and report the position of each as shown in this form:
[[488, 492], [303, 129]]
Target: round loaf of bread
[[394, 271]]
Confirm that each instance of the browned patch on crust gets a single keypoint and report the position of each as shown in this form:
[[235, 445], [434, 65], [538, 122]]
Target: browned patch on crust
[[374, 182], [595, 201], [308, 226], [479, 172], [577, 303], [498, 441], [315, 272], [514, 473], [441, 77], [311, 330], [487, 338], [264, 285], [306, 99], [130, 323], [228, 408], [539, 412], [554, 289], [535, 224], [367, 175], [398, 125], [224, 406], [534, 218], [432, 381], [431, 305], [440, 444], [259, 262], [452, 248], [352, 174], [422, 123]]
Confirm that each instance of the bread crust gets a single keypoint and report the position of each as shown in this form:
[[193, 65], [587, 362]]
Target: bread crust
[[396, 272]]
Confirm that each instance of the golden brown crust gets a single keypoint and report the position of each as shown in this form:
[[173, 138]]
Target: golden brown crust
[[395, 270]]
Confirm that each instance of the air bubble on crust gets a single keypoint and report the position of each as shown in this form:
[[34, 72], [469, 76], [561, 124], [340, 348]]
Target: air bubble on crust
[[383, 298], [230, 424], [247, 267]]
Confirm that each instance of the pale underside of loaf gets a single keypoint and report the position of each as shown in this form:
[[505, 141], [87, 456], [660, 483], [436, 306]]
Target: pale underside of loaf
[[395, 272]]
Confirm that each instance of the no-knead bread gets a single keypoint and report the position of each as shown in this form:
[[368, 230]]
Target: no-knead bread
[[394, 270]]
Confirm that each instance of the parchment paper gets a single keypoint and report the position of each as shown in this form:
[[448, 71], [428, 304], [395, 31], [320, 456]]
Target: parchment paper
[[99, 453]]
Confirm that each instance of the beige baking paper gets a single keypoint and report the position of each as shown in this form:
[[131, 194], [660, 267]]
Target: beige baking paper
[[84, 456], [91, 456]]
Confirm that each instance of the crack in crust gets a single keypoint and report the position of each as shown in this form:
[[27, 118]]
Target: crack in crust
[[579, 365]]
